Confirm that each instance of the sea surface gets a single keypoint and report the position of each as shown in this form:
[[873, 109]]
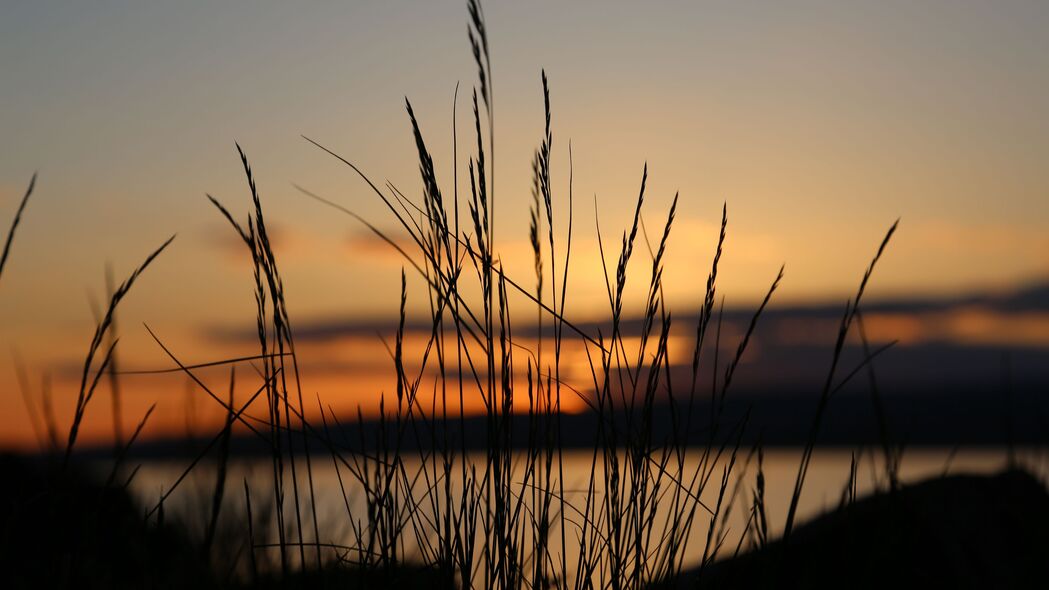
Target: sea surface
[[829, 473]]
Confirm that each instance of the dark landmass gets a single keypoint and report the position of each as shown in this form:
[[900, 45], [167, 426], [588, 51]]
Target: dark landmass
[[67, 529], [63, 529], [940, 420], [952, 532]]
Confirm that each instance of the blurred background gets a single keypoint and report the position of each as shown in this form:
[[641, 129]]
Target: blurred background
[[818, 122]]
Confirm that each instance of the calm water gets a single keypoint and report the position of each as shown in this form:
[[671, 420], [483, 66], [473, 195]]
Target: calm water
[[827, 477]]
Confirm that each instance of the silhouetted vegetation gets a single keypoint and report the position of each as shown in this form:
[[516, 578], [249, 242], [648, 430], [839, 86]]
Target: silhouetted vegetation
[[430, 511]]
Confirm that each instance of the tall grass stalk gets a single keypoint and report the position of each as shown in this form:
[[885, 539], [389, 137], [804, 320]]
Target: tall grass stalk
[[14, 223], [502, 517]]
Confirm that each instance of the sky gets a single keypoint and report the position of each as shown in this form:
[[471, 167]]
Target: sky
[[819, 123]]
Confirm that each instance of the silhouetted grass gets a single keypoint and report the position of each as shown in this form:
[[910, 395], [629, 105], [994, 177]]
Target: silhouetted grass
[[14, 223], [87, 390], [501, 518]]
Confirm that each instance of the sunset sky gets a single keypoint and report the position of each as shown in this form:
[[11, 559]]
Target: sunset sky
[[819, 122]]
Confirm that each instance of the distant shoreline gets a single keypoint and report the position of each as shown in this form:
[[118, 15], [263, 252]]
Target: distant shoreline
[[964, 420]]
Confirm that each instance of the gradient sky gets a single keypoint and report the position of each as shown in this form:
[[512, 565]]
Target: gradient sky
[[820, 122]]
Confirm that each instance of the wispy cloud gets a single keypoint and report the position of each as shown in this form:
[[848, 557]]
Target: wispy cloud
[[365, 245], [224, 240]]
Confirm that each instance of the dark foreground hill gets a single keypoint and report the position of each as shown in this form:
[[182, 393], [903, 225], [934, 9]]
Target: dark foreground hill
[[62, 529], [952, 532]]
